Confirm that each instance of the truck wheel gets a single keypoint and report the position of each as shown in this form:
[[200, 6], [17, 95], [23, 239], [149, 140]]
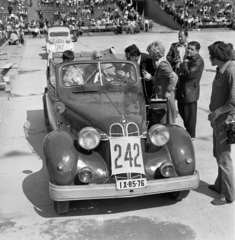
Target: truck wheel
[[178, 196], [61, 207]]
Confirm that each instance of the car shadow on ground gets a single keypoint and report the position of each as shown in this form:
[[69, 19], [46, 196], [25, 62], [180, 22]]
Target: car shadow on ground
[[203, 189], [43, 56], [35, 185]]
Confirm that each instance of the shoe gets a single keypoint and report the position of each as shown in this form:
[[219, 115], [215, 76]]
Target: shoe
[[220, 201], [212, 188]]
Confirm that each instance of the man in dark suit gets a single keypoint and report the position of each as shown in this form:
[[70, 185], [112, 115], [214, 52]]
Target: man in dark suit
[[177, 51], [188, 87], [144, 61]]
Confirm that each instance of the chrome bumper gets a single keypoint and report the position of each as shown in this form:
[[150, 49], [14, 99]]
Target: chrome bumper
[[102, 191]]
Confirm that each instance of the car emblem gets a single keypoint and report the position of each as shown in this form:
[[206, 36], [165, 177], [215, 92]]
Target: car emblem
[[123, 121]]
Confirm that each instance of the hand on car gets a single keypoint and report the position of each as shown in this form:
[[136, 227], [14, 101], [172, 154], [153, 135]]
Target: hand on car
[[147, 76]]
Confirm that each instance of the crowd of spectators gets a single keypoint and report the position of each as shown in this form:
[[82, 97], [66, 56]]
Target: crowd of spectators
[[12, 25], [196, 14], [114, 15]]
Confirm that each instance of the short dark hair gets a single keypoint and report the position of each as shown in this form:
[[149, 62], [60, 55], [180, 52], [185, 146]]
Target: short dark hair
[[133, 50], [196, 44], [68, 56], [184, 31], [221, 51]]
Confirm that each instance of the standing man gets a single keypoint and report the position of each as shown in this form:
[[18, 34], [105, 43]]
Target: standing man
[[188, 87], [222, 107], [145, 62], [177, 51]]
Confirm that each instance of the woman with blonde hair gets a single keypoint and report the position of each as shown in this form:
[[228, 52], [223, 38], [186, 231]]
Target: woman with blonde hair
[[164, 78]]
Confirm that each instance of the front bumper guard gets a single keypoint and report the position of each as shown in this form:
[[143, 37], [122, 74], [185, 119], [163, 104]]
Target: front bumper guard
[[103, 191]]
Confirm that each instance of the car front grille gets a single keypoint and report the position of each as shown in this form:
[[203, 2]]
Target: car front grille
[[126, 130], [59, 41]]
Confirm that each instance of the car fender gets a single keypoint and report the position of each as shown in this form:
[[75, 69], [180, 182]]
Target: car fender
[[94, 161], [155, 156], [59, 148], [181, 150]]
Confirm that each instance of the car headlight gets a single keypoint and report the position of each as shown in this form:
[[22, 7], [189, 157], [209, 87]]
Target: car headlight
[[85, 175], [67, 41], [167, 169], [158, 135], [88, 138]]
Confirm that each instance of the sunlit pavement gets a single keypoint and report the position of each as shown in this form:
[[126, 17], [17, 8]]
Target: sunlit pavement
[[26, 210]]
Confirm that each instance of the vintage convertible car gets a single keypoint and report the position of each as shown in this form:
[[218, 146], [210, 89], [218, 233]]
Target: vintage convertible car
[[102, 142], [59, 40]]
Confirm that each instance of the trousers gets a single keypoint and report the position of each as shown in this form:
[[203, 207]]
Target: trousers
[[225, 155], [188, 112]]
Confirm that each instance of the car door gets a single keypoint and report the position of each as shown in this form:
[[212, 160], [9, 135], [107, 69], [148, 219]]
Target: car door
[[51, 95]]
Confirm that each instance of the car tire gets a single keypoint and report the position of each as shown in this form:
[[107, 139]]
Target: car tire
[[178, 196], [61, 207]]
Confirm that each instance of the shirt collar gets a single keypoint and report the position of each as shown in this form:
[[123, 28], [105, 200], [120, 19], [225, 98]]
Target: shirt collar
[[224, 67], [179, 45], [160, 60]]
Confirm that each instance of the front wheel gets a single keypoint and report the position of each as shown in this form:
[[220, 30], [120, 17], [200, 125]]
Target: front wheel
[[61, 207], [178, 196]]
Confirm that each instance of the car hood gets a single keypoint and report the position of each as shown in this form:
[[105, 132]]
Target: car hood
[[103, 109]]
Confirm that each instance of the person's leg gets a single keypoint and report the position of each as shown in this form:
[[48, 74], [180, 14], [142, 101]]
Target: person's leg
[[190, 118], [181, 109], [224, 159]]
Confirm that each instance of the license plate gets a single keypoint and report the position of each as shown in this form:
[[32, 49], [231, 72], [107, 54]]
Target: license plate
[[131, 184], [126, 155], [59, 48]]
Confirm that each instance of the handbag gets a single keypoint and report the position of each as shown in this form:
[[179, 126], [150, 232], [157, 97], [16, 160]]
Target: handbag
[[230, 128]]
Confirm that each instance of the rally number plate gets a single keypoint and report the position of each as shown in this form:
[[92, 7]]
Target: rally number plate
[[130, 184], [59, 47], [126, 155]]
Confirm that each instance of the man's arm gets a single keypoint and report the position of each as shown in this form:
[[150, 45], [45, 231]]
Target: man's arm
[[171, 55], [172, 77], [191, 69], [230, 104]]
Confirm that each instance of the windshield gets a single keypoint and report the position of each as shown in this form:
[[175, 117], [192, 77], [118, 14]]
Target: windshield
[[99, 73], [59, 34]]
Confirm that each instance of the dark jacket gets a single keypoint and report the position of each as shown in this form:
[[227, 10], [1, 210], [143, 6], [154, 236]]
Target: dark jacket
[[188, 87], [172, 54], [146, 63]]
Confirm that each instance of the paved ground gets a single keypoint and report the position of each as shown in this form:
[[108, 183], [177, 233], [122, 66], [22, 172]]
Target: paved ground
[[26, 211]]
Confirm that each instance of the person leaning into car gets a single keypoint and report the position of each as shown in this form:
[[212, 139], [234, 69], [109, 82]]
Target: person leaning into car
[[145, 62], [188, 87], [222, 107]]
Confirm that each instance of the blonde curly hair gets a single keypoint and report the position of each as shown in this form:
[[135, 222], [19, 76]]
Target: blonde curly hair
[[156, 46]]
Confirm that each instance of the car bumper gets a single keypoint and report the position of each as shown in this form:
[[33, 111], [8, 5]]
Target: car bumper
[[103, 191]]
